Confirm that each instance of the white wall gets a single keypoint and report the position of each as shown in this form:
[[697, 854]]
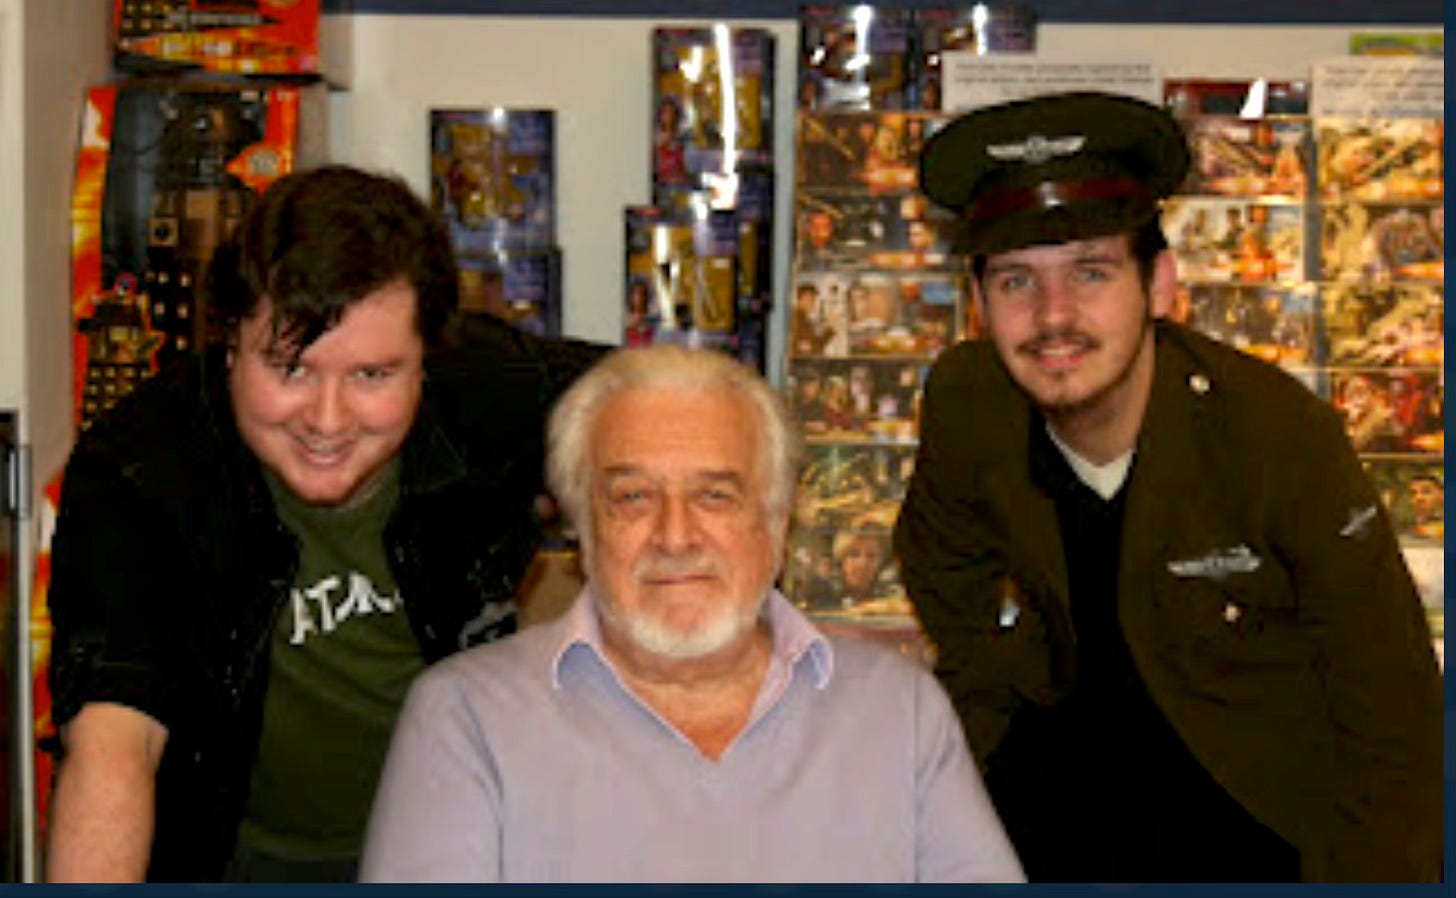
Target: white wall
[[12, 160], [596, 74], [49, 52]]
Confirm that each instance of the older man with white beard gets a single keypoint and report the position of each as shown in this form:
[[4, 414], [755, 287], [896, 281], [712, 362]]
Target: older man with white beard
[[682, 722]]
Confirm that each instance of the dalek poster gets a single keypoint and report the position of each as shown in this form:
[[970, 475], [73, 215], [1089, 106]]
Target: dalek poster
[[164, 174]]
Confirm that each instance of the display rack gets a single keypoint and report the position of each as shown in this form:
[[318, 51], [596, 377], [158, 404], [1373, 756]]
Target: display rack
[[1316, 243]]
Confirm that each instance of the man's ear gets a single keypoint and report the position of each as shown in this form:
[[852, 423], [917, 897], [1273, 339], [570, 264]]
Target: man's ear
[[1163, 286]]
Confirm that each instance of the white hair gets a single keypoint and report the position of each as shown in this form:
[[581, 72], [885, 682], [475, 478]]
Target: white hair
[[666, 366]]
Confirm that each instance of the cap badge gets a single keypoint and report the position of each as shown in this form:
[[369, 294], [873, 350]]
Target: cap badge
[[1036, 149]]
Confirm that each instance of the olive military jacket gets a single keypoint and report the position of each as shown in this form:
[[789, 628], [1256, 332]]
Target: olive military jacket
[[1262, 595]]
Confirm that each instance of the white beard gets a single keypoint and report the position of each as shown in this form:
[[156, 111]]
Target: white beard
[[651, 635]]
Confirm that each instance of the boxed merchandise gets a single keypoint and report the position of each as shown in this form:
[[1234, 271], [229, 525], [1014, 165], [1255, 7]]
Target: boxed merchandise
[[871, 312], [165, 171], [1256, 98], [873, 400], [682, 276], [1383, 242], [854, 57], [1236, 240], [493, 177], [1391, 410], [523, 287], [835, 230], [248, 37], [980, 29], [1394, 325], [712, 106], [1381, 160], [858, 151], [1248, 157], [1274, 322]]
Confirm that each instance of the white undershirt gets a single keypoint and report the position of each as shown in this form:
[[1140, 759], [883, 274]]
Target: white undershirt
[[1105, 480]]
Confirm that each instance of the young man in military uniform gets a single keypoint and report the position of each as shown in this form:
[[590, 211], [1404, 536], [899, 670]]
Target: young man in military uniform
[[259, 548], [1167, 602]]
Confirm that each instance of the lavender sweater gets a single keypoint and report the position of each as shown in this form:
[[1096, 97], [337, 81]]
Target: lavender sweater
[[528, 761]]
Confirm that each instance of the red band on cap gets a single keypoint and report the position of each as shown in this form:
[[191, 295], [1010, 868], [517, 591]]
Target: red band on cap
[[1051, 194]]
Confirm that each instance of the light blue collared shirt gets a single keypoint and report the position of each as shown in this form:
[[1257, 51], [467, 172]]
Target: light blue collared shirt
[[528, 760]]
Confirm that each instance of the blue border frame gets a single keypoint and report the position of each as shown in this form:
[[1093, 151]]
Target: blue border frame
[[1203, 12]]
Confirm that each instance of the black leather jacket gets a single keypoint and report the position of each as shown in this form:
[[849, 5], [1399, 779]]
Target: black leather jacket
[[169, 565]]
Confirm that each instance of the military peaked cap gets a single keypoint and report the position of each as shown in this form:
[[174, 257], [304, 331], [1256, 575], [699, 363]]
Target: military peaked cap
[[1054, 168]]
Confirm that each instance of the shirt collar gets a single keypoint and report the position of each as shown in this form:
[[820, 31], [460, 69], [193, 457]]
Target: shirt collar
[[794, 637]]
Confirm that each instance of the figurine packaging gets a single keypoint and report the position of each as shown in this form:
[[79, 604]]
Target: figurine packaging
[[493, 177], [523, 287], [855, 57], [978, 29], [712, 105], [682, 275]]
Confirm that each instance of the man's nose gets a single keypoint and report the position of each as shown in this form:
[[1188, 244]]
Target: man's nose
[[327, 409], [677, 527], [1054, 304]]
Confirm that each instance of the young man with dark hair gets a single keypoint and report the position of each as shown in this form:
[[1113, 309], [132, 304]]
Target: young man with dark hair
[[1167, 601], [259, 548]]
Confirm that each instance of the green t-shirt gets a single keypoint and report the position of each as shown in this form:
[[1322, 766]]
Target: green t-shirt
[[343, 657]]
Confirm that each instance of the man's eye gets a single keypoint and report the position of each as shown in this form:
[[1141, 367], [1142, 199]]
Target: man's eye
[[1013, 282], [372, 374], [1092, 275], [629, 497], [288, 370], [716, 497]]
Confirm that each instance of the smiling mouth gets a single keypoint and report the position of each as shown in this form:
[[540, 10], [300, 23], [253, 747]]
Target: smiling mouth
[[323, 455], [1057, 351]]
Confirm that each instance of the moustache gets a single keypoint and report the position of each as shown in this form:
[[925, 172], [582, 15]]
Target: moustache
[[658, 567]]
